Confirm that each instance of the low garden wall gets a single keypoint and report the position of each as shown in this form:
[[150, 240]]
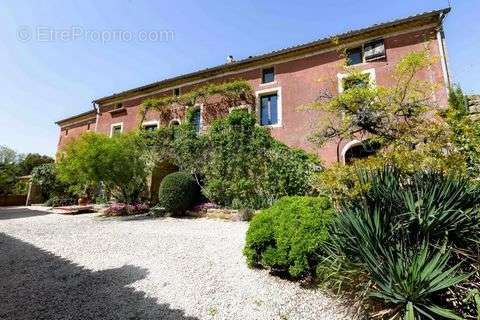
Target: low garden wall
[[13, 200]]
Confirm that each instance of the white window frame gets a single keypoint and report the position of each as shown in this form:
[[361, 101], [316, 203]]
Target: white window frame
[[265, 92], [116, 125], [341, 76], [151, 122]]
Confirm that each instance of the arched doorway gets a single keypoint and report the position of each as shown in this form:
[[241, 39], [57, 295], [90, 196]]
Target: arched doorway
[[356, 149]]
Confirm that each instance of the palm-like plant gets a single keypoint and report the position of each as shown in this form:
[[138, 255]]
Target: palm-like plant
[[394, 229], [408, 280]]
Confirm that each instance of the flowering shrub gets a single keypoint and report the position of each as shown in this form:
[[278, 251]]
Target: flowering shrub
[[123, 209]]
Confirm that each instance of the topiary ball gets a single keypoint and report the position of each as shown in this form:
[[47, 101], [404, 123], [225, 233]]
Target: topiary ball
[[178, 192]]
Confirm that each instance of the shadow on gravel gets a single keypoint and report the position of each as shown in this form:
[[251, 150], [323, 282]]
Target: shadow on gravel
[[16, 213], [36, 284]]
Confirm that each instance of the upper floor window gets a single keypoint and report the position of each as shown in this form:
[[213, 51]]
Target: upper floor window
[[176, 92], [369, 51], [268, 75], [197, 120], [269, 109], [118, 106], [354, 56], [116, 129]]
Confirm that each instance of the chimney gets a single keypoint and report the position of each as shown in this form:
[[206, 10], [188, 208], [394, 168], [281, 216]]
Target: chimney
[[230, 59]]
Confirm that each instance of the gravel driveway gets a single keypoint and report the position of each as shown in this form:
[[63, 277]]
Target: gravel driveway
[[80, 267]]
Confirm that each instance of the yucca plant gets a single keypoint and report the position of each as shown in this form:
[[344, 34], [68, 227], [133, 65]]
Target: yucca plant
[[394, 229], [408, 279]]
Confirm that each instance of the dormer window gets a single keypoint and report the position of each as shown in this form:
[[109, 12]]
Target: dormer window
[[118, 106], [268, 75]]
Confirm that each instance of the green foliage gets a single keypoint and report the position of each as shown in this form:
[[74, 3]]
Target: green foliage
[[46, 177], [239, 163], [13, 166], [178, 192], [31, 161], [59, 201], [232, 93], [465, 131], [409, 278], [117, 162], [289, 235], [395, 229], [246, 168]]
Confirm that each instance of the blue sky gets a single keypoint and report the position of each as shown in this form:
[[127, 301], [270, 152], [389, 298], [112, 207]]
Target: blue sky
[[45, 78]]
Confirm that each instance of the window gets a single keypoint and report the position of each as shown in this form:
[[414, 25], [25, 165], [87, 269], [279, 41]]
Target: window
[[374, 50], [150, 127], [118, 106], [116, 129], [369, 51], [354, 56], [176, 92], [66, 132], [269, 109], [360, 81], [268, 75], [364, 78], [197, 120], [88, 127], [174, 124]]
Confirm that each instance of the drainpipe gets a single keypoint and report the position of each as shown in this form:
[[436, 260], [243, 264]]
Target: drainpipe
[[443, 52], [97, 111]]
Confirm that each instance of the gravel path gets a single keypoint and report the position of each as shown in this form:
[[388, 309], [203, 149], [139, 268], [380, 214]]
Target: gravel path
[[80, 267]]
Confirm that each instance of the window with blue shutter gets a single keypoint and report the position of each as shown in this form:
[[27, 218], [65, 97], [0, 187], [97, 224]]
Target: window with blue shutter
[[269, 110], [268, 75], [196, 120]]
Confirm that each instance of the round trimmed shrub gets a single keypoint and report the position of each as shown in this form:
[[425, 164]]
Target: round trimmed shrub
[[178, 192], [288, 236]]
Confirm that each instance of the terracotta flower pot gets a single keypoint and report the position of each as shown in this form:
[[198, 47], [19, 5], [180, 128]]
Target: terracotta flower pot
[[83, 201]]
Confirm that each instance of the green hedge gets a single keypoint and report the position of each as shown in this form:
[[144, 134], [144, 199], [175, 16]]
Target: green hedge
[[289, 235], [178, 192]]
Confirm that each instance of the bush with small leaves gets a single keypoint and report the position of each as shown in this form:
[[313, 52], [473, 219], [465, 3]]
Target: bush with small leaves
[[288, 236], [178, 192]]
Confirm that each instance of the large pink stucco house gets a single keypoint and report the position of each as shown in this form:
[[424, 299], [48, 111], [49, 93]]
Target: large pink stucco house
[[286, 79]]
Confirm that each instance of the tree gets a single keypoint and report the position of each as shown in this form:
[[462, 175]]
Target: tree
[[8, 155], [404, 123], [465, 130], [117, 163], [31, 161]]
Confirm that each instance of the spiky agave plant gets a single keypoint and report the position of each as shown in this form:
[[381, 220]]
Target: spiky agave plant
[[408, 279], [395, 229]]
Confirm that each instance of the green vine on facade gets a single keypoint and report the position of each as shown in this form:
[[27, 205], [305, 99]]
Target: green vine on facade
[[229, 94]]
